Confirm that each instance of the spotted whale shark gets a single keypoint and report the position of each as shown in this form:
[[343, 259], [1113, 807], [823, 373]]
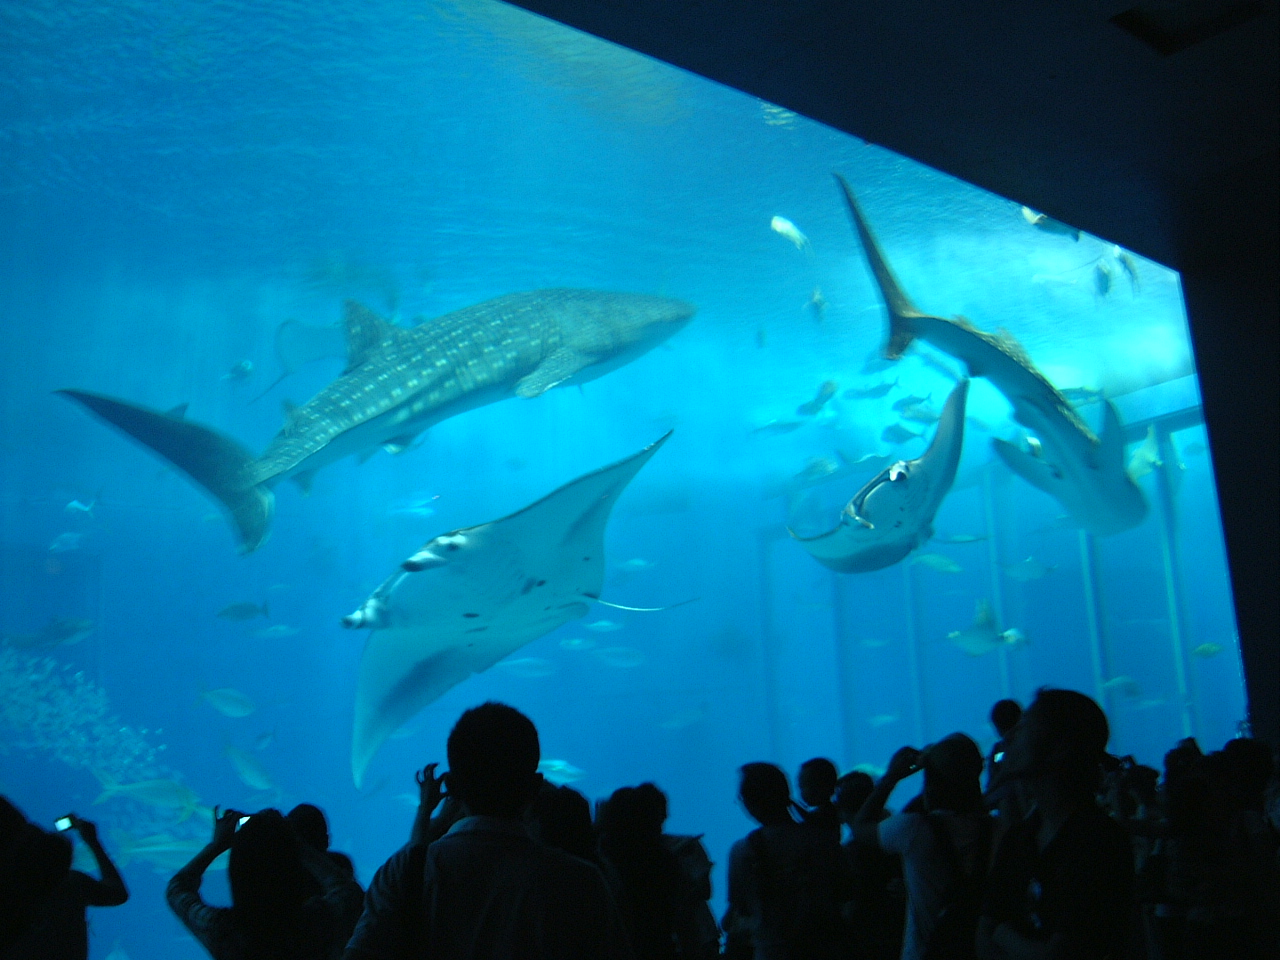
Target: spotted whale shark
[[1084, 472], [398, 382]]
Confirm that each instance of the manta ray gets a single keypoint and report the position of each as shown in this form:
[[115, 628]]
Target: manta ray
[[398, 382], [1085, 473], [473, 596], [893, 514]]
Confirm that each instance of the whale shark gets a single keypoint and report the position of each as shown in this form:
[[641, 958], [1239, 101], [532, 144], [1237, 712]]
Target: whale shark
[[1084, 472], [398, 382], [893, 513], [471, 597]]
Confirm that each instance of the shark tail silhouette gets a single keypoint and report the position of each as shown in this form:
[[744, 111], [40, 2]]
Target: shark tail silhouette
[[901, 309], [220, 465]]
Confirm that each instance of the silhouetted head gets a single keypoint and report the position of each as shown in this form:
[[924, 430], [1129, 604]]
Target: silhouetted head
[[310, 824], [817, 781], [1061, 739], [269, 884], [493, 760], [852, 791], [1005, 716], [563, 819], [765, 793], [651, 808], [1248, 766], [952, 772]]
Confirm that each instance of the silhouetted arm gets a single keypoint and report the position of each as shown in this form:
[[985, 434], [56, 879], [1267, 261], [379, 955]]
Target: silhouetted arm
[[866, 825], [110, 891], [385, 930], [183, 891], [430, 793]]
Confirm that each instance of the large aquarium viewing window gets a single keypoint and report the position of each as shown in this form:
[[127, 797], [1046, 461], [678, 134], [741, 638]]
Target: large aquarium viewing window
[[452, 271]]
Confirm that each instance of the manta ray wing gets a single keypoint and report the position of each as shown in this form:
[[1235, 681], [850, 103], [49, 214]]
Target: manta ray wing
[[474, 596]]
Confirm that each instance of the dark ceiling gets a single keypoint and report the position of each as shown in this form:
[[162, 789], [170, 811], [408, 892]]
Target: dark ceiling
[[1045, 102]]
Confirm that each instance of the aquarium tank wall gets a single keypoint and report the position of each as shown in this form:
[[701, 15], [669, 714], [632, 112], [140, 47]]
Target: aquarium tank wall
[[438, 265]]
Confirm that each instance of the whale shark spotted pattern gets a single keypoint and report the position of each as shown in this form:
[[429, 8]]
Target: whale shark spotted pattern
[[398, 382]]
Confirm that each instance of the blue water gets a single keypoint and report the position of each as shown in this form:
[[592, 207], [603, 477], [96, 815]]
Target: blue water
[[178, 179]]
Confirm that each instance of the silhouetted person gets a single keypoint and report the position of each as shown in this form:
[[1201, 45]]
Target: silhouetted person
[[817, 784], [52, 924], [787, 881], [487, 889], [876, 910], [1061, 883], [696, 927], [560, 817], [1004, 717], [311, 826], [274, 912], [944, 844]]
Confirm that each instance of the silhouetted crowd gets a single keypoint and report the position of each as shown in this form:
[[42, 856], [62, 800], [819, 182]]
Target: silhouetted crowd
[[1047, 848]]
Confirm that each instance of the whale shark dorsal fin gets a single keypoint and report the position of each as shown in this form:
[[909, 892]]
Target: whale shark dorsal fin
[[289, 409], [365, 332], [1111, 447], [178, 413]]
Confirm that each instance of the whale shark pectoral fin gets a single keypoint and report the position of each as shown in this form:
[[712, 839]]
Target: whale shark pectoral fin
[[1039, 473], [1110, 456], [554, 370]]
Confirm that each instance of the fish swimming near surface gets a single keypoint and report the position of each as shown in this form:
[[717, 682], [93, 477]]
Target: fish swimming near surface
[[250, 771], [472, 597], [78, 508], [604, 626], [577, 643], [785, 228], [423, 507], [560, 772], [530, 668], [240, 370], [897, 433], [983, 635], [814, 406], [167, 795], [66, 542], [229, 702], [873, 392], [1124, 686], [398, 382], [1207, 650], [938, 562], [239, 612], [1083, 472], [1049, 225], [893, 513], [1027, 570]]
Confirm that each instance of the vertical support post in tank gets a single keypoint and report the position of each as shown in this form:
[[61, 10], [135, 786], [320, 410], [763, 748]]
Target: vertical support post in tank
[[997, 585], [913, 651], [1094, 618], [1170, 557], [839, 636], [765, 538]]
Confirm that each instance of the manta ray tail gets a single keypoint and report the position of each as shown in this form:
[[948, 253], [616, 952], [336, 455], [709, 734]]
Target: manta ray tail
[[217, 463], [901, 309]]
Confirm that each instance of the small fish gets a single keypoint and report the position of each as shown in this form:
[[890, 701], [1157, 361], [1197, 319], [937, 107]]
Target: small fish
[[873, 392], [897, 433], [1026, 570], [1102, 278], [251, 773], [963, 538], [814, 406], [938, 562], [919, 413], [882, 720], [79, 508], [276, 632], [560, 772], [168, 795], [1129, 266], [240, 370], [410, 800], [875, 462], [422, 507], [775, 428], [872, 643], [264, 740], [636, 564], [1124, 686], [816, 470], [242, 611], [1207, 650], [165, 853], [982, 636], [818, 304], [684, 718], [785, 228], [577, 643], [529, 668], [1147, 457], [604, 626], [902, 403], [1049, 225], [875, 363], [66, 542], [229, 702], [619, 656]]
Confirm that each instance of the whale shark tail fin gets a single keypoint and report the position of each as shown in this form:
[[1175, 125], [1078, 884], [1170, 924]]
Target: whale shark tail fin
[[222, 467], [901, 309]]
